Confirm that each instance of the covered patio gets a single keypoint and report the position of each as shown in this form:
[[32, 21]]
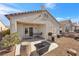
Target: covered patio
[[31, 31]]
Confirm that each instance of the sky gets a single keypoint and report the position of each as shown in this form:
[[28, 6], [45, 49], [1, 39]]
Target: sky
[[61, 11]]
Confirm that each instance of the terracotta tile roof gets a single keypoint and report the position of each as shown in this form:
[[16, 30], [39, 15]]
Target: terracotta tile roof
[[35, 11], [66, 22]]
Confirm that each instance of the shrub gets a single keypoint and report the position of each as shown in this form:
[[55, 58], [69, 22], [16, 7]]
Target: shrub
[[6, 32], [9, 40]]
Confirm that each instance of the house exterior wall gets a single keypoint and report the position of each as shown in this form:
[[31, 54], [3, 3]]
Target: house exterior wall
[[77, 27], [66, 25], [34, 18]]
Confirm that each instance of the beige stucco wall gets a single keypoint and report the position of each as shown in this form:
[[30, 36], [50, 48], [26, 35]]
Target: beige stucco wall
[[33, 18], [13, 25], [66, 24]]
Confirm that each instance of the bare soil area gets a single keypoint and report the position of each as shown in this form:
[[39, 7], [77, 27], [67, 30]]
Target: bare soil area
[[64, 43]]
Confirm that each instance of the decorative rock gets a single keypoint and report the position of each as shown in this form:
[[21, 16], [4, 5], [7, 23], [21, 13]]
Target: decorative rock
[[72, 52]]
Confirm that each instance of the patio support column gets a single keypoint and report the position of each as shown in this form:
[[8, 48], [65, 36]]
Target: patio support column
[[13, 26], [46, 33]]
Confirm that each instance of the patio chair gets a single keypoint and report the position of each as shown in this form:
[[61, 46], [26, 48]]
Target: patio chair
[[38, 35], [27, 37]]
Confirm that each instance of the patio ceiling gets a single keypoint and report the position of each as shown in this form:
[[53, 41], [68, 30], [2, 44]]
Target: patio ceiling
[[29, 23]]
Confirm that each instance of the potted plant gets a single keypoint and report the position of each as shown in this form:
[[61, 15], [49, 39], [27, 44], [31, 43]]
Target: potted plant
[[49, 35], [9, 41]]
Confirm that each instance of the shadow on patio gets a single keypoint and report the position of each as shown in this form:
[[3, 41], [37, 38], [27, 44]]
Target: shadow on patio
[[32, 39]]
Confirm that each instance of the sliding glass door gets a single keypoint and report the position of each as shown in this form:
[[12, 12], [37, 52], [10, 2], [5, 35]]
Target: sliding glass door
[[30, 31]]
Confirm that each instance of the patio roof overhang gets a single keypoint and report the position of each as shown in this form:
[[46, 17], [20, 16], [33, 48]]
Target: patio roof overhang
[[31, 23]]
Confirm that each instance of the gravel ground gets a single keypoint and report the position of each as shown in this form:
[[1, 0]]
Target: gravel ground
[[64, 43]]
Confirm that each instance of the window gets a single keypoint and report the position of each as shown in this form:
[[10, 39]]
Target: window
[[26, 30]]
